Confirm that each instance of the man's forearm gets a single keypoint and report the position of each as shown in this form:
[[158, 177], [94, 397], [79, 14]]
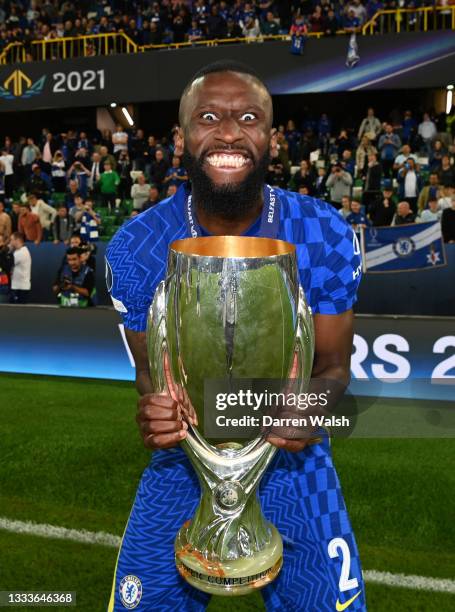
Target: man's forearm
[[143, 382]]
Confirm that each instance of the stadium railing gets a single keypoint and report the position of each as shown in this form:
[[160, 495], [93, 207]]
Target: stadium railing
[[424, 19], [386, 21]]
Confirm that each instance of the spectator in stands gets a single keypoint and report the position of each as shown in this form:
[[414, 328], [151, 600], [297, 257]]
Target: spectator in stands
[[428, 192], [63, 225], [119, 141], [250, 27], [49, 149], [298, 33], [401, 158], [445, 200], [58, 173], [108, 184], [343, 142], [278, 173], [81, 174], [364, 149], [330, 24], [106, 157], [432, 213], [158, 168], [153, 197], [388, 145], [6, 267], [90, 223], [347, 162], [437, 151], [303, 178], [357, 218], [345, 209], [446, 173], [409, 128], [382, 209], [7, 159], [320, 184], [39, 182], [270, 27], [15, 214], [357, 8], [370, 126], [76, 211], [29, 155], [409, 183], [194, 33], [140, 192], [292, 137], [75, 282], [124, 167], [403, 215], [448, 223], [96, 168], [45, 213], [372, 180], [176, 175], [71, 193], [22, 269], [29, 224], [233, 29], [427, 132], [339, 184], [138, 149], [216, 25], [5, 222]]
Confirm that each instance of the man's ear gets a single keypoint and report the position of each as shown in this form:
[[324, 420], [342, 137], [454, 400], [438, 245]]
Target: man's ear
[[273, 142], [178, 142]]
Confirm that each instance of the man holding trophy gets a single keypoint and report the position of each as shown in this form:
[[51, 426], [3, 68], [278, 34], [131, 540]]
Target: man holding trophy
[[232, 279]]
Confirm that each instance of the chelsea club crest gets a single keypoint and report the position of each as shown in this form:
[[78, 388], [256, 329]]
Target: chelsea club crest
[[404, 247], [130, 590]]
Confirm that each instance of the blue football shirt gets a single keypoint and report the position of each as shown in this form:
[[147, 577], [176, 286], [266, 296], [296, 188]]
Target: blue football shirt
[[328, 254]]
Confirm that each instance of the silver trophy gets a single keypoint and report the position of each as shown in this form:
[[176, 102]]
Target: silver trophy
[[230, 308]]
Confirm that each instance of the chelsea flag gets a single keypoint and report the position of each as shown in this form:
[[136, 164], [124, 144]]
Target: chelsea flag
[[403, 247]]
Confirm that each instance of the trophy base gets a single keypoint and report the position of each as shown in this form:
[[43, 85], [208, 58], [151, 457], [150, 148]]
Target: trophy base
[[232, 577]]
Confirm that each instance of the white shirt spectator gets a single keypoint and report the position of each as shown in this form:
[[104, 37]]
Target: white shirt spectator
[[7, 161], [445, 202], [401, 158], [45, 213], [427, 130], [428, 215], [120, 141], [21, 278], [410, 185], [140, 195]]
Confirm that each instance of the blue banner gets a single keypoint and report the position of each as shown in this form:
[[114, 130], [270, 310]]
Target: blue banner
[[403, 248]]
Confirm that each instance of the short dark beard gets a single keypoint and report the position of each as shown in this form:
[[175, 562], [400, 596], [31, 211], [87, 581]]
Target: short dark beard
[[232, 201]]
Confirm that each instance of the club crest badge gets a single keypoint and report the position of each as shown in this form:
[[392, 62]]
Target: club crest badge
[[130, 590]]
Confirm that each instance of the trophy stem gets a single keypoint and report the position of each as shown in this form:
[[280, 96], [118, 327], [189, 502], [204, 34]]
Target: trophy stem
[[228, 547]]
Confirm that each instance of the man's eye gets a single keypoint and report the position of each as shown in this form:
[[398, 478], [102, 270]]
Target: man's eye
[[209, 116], [248, 117]]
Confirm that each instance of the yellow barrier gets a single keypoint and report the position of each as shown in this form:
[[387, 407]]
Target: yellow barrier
[[411, 20], [399, 20]]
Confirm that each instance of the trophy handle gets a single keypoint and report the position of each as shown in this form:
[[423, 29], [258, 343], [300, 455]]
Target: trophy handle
[[156, 339], [304, 341]]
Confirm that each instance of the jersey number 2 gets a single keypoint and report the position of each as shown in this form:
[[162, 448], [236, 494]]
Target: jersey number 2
[[335, 546]]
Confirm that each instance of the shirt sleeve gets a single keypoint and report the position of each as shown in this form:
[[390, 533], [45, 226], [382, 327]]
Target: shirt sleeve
[[343, 268], [125, 283]]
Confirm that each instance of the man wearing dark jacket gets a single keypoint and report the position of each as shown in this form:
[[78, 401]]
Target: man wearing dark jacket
[[373, 178], [6, 265]]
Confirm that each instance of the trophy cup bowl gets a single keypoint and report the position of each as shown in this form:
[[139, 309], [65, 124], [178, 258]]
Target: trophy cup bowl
[[231, 307]]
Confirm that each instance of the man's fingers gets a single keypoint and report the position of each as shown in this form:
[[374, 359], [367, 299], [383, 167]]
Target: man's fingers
[[293, 446], [161, 427], [157, 399], [158, 413], [166, 440]]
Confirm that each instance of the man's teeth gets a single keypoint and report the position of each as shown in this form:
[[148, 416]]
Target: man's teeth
[[227, 161]]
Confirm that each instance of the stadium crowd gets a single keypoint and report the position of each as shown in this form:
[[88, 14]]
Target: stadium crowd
[[152, 22], [76, 188]]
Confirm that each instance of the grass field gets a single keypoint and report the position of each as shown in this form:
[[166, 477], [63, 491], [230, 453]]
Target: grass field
[[71, 456]]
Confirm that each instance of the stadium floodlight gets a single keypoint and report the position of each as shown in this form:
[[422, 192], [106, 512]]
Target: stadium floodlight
[[127, 115], [449, 99], [113, 104]]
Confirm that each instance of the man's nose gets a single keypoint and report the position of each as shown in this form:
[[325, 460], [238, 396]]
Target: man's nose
[[229, 130]]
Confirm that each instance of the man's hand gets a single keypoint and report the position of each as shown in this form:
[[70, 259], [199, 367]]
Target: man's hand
[[160, 421]]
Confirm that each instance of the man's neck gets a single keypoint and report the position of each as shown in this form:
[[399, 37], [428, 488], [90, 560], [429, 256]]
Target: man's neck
[[219, 226]]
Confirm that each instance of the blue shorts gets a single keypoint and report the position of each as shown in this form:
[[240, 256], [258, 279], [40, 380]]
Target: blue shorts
[[300, 494]]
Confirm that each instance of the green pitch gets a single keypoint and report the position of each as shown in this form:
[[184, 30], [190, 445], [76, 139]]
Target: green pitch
[[70, 456]]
